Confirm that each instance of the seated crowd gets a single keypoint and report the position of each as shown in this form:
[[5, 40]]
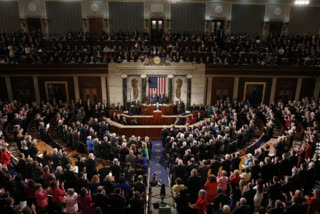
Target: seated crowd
[[209, 178], [82, 48], [207, 171], [59, 182]]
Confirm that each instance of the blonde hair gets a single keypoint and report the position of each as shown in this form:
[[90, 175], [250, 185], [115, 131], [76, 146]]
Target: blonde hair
[[236, 172], [95, 179], [144, 145], [224, 172]]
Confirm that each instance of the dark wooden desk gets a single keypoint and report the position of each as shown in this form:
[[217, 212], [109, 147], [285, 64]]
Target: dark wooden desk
[[149, 109], [156, 118], [152, 131]]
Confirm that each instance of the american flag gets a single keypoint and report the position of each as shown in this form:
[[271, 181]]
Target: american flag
[[157, 85]]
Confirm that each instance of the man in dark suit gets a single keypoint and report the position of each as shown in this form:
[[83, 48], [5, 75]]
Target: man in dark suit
[[88, 104], [153, 98], [242, 208], [180, 106], [135, 106], [199, 117], [178, 121], [91, 165], [194, 107], [43, 133], [157, 107], [161, 98], [79, 104], [220, 199], [295, 207]]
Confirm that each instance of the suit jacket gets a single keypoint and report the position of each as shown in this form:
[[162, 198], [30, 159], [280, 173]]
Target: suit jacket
[[136, 103], [157, 108], [161, 98], [179, 122], [199, 118], [179, 104], [153, 98], [131, 159]]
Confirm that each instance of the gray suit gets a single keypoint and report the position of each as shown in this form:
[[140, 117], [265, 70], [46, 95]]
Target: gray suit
[[131, 159]]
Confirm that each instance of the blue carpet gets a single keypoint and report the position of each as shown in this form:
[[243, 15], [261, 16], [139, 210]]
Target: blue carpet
[[158, 163]]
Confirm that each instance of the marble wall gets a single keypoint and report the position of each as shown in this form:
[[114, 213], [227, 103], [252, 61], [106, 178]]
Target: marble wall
[[178, 70]]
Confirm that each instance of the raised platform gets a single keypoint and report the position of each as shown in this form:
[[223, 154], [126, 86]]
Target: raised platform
[[152, 131]]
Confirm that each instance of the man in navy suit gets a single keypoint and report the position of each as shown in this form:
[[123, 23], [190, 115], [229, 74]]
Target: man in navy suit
[[157, 107], [161, 98], [154, 98]]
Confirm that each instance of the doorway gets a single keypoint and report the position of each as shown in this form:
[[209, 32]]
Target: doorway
[[95, 26], [156, 29], [217, 28], [275, 28], [34, 24]]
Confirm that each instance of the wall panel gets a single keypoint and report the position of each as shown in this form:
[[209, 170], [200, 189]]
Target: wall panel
[[23, 89], [286, 89], [268, 82], [9, 18], [3, 90], [307, 88], [187, 17], [64, 17], [247, 19], [68, 80], [304, 20], [222, 87], [126, 16]]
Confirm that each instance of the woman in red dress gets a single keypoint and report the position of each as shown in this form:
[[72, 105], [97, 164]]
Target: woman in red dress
[[202, 203], [211, 188]]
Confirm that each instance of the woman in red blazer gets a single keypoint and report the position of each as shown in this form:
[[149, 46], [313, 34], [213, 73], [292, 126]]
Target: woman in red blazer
[[5, 157]]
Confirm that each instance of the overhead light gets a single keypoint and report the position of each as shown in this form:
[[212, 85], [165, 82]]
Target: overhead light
[[302, 2]]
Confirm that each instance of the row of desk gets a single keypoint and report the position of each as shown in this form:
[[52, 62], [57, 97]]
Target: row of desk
[[152, 131]]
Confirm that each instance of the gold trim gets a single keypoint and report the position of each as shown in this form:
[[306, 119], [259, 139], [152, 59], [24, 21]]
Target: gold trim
[[255, 83], [65, 83]]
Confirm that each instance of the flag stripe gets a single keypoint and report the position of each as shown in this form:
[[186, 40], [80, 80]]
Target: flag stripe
[[157, 87]]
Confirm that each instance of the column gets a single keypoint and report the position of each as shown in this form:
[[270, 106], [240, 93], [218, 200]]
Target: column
[[317, 89], [76, 88], [36, 88], [144, 88], [209, 91], [9, 88], [273, 90], [235, 87], [104, 89], [124, 90], [298, 90], [170, 77], [189, 78]]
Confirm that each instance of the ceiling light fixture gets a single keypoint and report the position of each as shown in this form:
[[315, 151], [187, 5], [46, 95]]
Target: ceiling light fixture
[[302, 2]]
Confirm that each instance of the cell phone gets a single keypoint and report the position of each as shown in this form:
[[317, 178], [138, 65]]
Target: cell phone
[[110, 174]]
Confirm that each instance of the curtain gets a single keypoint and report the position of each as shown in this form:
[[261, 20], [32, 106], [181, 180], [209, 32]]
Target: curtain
[[304, 20], [9, 18], [64, 17], [126, 16], [187, 17], [247, 19]]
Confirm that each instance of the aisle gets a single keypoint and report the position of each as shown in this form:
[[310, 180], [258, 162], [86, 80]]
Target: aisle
[[158, 163]]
